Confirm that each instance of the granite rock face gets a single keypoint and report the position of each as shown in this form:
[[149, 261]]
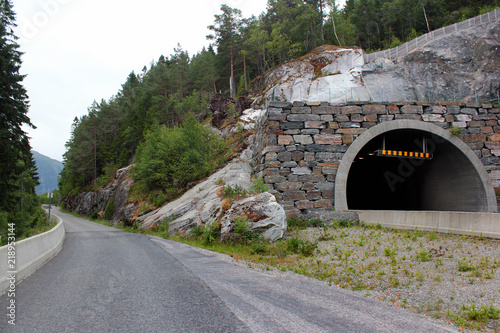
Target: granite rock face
[[96, 202], [461, 67]]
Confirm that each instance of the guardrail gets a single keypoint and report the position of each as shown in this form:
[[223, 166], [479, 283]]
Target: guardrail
[[408, 47], [30, 254]]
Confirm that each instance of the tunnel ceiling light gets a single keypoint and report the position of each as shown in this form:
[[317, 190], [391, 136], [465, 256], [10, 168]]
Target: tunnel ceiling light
[[405, 154]]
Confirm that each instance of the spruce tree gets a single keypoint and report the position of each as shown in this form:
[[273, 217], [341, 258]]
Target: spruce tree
[[16, 159]]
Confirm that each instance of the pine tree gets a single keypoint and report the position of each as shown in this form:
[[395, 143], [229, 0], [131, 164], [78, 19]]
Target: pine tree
[[227, 30]]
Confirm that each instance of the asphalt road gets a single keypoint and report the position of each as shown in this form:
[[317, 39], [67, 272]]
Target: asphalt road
[[108, 280]]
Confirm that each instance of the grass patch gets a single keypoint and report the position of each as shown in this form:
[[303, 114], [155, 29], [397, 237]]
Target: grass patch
[[472, 317]]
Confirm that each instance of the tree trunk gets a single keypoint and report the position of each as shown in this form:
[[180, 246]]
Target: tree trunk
[[245, 72], [231, 80]]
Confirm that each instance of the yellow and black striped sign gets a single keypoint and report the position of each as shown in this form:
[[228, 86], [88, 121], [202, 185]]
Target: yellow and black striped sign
[[405, 154]]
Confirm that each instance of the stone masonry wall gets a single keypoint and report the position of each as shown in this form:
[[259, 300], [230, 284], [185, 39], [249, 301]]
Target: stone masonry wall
[[305, 142]]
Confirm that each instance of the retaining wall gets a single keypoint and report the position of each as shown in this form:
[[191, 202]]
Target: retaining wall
[[31, 253], [477, 224], [304, 143]]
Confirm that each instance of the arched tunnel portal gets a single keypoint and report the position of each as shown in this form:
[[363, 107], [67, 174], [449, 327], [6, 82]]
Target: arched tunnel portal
[[450, 178]]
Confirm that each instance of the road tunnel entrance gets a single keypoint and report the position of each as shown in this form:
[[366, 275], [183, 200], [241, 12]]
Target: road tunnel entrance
[[412, 166]]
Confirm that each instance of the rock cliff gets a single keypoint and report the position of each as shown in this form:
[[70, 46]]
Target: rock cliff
[[463, 66], [111, 200]]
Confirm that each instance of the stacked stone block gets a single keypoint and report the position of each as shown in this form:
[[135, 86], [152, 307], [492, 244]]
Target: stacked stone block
[[305, 142]]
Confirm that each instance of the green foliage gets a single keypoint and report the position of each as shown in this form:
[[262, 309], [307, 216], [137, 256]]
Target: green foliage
[[43, 199], [211, 233], [388, 251], [299, 223], [395, 42], [242, 231], [343, 224], [455, 130], [197, 231], [465, 265], [259, 186], [233, 192], [110, 210], [19, 204], [424, 256], [260, 248], [173, 157], [303, 246], [472, 317]]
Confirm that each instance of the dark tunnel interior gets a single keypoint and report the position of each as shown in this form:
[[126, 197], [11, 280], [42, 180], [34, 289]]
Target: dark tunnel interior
[[447, 182]]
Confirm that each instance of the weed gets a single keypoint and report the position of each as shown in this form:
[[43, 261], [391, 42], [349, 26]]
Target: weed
[[259, 186], [233, 192], [297, 245], [343, 224], [455, 130], [390, 252], [465, 265], [472, 317], [297, 223], [260, 248], [423, 256]]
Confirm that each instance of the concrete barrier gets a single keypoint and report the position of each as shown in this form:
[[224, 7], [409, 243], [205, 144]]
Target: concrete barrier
[[31, 253], [477, 224]]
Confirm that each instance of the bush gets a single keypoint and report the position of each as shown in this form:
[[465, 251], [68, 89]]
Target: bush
[[197, 231], [455, 130], [173, 157], [424, 256], [242, 231], [211, 233], [110, 210]]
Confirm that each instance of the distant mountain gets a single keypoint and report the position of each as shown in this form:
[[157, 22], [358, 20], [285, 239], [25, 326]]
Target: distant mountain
[[48, 171]]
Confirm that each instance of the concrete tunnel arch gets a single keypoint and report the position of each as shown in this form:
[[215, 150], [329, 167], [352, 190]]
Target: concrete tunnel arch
[[454, 180]]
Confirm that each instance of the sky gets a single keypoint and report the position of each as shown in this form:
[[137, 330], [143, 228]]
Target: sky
[[78, 51]]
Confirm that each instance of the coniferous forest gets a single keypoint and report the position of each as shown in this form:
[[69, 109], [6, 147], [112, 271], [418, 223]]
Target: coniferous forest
[[151, 107]]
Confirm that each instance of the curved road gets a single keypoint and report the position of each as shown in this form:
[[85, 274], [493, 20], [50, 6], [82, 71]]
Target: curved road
[[108, 280]]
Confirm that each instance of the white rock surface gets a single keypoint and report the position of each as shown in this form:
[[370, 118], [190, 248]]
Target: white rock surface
[[294, 81], [263, 213]]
